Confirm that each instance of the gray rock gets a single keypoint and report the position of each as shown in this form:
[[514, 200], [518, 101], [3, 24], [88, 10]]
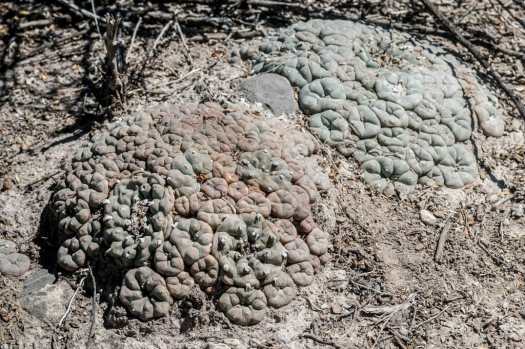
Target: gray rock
[[49, 303], [7, 246], [427, 217], [272, 90]]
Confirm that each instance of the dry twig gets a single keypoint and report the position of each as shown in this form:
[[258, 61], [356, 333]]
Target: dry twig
[[42, 179], [388, 309], [80, 11], [274, 3], [320, 340], [432, 318], [96, 17], [183, 40], [398, 338], [443, 238], [93, 306], [35, 24], [499, 260], [133, 38], [68, 309], [157, 40], [355, 283]]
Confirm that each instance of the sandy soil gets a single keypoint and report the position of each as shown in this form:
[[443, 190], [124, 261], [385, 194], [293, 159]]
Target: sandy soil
[[383, 288]]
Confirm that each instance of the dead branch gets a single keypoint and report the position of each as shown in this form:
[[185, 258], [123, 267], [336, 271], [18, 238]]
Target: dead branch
[[114, 81], [477, 54]]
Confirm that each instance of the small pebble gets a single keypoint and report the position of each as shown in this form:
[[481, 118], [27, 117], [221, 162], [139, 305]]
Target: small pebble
[[336, 308], [518, 210], [337, 279], [427, 217], [7, 184], [419, 247]]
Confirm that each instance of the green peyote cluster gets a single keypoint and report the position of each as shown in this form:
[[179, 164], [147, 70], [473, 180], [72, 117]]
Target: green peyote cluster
[[379, 96]]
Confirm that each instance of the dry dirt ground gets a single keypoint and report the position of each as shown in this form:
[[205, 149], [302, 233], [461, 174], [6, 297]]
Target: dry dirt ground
[[384, 288]]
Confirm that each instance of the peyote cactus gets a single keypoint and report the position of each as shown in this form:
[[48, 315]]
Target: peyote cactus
[[195, 197], [393, 104]]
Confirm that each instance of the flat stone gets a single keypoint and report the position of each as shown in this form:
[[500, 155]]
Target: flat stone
[[49, 303], [272, 90], [336, 308]]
